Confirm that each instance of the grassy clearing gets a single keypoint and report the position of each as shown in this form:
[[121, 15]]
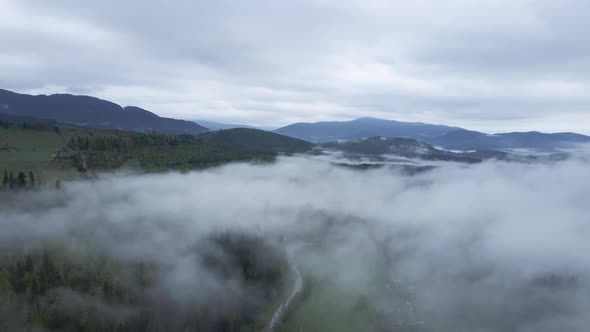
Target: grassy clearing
[[28, 149], [331, 303], [328, 307], [32, 150]]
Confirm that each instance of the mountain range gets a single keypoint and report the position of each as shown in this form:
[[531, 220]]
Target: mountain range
[[445, 137], [213, 125], [321, 132], [409, 148], [473, 140], [92, 112]]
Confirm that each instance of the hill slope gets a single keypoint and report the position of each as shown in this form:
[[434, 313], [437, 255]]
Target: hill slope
[[473, 140], [257, 140], [404, 147], [55, 150], [444, 136], [92, 112], [213, 125], [362, 128]]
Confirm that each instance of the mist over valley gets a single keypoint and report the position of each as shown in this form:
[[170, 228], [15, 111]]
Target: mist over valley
[[294, 166]]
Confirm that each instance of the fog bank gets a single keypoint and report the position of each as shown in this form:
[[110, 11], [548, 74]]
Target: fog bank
[[488, 247]]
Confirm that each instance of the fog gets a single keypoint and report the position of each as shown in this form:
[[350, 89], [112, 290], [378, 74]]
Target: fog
[[489, 247]]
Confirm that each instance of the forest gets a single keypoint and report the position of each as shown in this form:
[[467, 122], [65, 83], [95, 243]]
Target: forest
[[153, 152], [65, 287], [10, 181]]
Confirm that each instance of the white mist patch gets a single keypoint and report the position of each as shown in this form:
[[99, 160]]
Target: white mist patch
[[504, 243]]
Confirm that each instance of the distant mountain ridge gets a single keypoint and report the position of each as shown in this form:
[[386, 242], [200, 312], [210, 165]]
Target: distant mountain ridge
[[473, 140], [92, 112], [321, 132], [405, 147], [213, 125], [446, 137], [378, 147]]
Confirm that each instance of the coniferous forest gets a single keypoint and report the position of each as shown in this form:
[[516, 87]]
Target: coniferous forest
[[65, 287], [18, 180]]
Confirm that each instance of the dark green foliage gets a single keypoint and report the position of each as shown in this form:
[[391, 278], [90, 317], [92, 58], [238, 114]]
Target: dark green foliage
[[20, 182], [11, 181], [253, 258], [82, 289], [257, 140], [27, 123], [32, 181], [154, 152]]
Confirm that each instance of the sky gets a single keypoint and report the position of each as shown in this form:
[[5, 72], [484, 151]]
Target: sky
[[490, 65]]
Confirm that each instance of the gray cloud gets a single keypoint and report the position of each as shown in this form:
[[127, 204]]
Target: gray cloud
[[490, 65]]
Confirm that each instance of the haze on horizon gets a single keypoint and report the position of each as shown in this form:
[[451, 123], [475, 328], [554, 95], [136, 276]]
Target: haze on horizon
[[486, 65]]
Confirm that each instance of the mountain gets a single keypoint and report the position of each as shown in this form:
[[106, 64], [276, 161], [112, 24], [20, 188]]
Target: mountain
[[404, 147], [219, 125], [92, 112], [473, 140], [439, 135], [257, 140], [320, 132]]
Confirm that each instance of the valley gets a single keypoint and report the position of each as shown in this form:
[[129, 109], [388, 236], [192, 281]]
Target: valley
[[294, 166], [135, 230]]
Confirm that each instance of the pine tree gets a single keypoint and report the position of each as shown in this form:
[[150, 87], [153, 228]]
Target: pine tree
[[32, 181], [11, 181], [29, 263], [22, 179], [5, 181]]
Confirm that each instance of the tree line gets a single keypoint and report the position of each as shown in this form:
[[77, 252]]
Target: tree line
[[10, 181], [119, 143], [29, 125], [101, 143]]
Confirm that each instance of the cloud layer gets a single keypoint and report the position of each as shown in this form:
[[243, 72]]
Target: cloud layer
[[489, 247], [488, 65]]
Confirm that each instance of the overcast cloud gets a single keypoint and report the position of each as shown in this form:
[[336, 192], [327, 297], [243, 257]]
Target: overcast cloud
[[489, 65]]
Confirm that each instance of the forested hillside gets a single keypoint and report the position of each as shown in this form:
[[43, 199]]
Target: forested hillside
[[257, 140], [50, 150], [75, 286]]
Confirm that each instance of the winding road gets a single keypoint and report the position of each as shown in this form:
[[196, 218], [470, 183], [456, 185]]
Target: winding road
[[297, 287]]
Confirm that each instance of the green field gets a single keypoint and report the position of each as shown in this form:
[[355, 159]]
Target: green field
[[332, 302], [33, 150]]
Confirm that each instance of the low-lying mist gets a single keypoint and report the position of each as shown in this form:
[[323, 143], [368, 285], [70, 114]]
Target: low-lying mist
[[488, 247]]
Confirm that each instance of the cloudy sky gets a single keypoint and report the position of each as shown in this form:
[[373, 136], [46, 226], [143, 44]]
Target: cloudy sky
[[492, 65]]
